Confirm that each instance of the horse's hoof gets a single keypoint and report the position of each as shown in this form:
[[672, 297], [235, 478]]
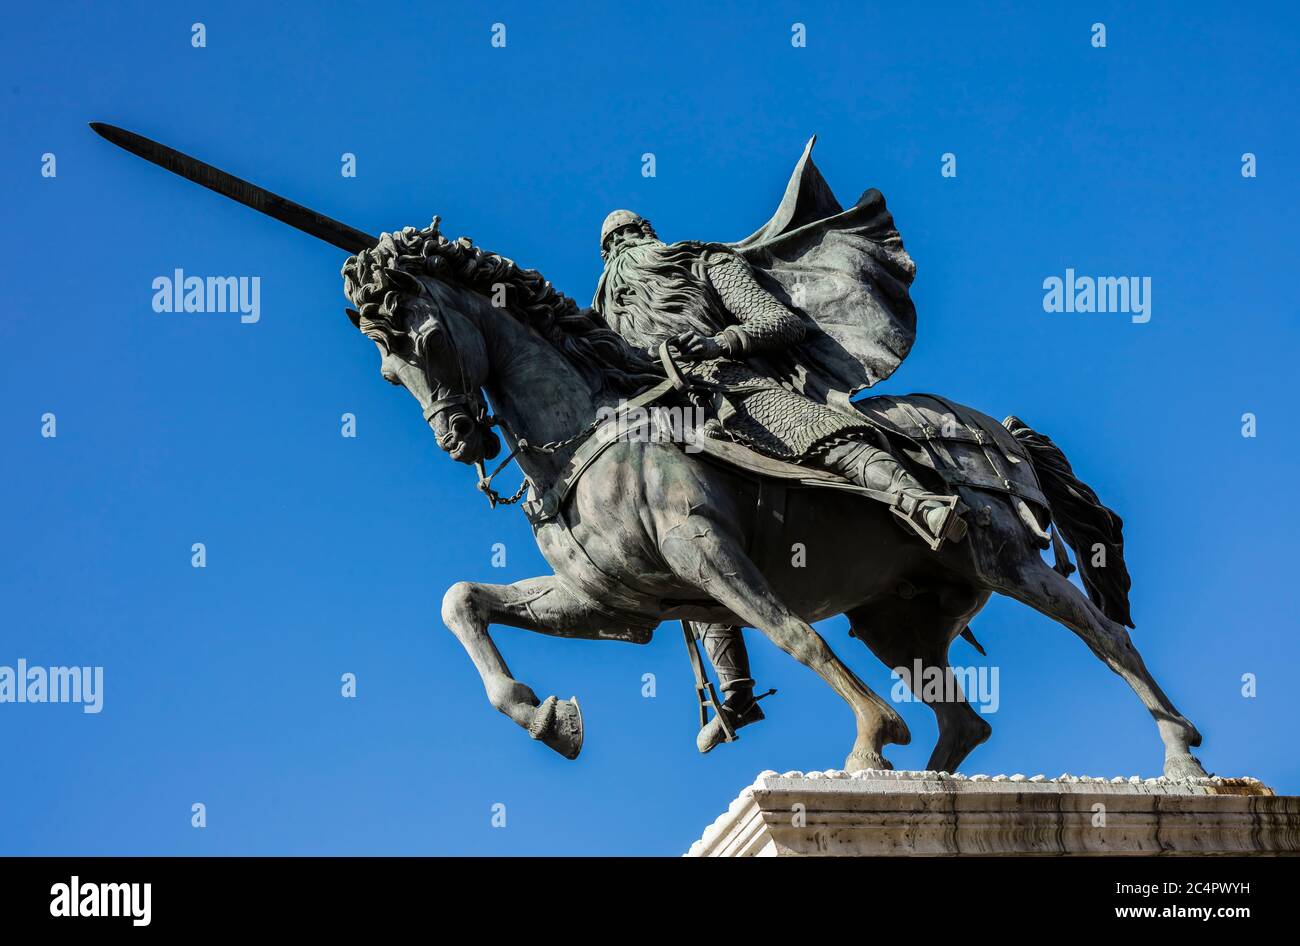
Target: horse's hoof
[[953, 747], [1184, 766], [558, 724], [859, 760]]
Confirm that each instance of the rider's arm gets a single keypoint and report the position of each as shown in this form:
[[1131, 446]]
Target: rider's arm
[[765, 323]]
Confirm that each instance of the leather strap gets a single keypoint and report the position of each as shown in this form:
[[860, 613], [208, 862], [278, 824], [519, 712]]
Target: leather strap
[[704, 690], [674, 373], [437, 407], [601, 439], [769, 521]]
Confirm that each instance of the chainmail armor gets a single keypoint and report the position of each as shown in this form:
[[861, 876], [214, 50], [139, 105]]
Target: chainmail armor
[[767, 323], [768, 417]]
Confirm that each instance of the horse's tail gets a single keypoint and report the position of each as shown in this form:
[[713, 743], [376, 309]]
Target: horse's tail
[[1083, 521]]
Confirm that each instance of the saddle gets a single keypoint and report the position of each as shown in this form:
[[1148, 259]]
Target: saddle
[[959, 445], [728, 452]]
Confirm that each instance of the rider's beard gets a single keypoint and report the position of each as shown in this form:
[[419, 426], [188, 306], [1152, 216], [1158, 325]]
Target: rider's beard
[[663, 293]]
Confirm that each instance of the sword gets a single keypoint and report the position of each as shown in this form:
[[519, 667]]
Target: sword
[[250, 195]]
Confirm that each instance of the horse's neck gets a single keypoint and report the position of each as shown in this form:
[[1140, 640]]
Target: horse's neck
[[540, 397]]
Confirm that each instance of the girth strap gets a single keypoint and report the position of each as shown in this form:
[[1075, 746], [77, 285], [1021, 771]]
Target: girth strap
[[598, 441]]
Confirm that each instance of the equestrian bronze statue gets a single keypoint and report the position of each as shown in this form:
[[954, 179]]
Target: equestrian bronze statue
[[788, 503]]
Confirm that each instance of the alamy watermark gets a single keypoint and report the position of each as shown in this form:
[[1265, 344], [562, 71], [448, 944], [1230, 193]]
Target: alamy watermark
[[1129, 294], [975, 685], [24, 684], [659, 424], [78, 898], [181, 293]]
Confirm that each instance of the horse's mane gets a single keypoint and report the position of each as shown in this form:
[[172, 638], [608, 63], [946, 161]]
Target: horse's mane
[[373, 283]]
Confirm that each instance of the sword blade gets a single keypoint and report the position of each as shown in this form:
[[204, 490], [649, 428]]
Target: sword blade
[[250, 195]]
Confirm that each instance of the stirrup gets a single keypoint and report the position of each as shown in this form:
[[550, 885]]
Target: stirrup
[[728, 720], [908, 509]]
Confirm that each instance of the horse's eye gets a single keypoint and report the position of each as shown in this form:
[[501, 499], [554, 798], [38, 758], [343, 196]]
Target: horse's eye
[[427, 338]]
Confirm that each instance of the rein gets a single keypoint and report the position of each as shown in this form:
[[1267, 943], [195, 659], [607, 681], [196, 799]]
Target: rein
[[483, 419], [675, 380], [521, 446]]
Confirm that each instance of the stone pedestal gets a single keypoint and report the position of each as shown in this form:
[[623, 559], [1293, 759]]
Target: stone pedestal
[[877, 812]]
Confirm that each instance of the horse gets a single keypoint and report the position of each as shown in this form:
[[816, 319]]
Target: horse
[[651, 533]]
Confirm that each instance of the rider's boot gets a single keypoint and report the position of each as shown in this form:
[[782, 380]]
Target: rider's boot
[[933, 517], [725, 647]]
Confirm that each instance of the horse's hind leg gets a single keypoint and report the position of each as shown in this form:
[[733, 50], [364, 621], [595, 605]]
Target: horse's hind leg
[[901, 632], [702, 554], [1047, 591], [535, 604]]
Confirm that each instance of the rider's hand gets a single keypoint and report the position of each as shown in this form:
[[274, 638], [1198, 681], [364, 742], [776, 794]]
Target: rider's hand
[[692, 346]]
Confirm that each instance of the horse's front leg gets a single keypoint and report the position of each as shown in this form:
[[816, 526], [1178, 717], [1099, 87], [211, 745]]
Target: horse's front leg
[[536, 604], [702, 553]]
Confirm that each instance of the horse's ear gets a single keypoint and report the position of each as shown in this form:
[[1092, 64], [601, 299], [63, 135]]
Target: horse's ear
[[354, 317], [405, 281]]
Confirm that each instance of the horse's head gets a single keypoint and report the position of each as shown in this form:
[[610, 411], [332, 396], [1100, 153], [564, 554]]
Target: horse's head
[[426, 343], [424, 301]]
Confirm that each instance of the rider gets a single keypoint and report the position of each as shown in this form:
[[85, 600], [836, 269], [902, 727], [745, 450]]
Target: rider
[[703, 298]]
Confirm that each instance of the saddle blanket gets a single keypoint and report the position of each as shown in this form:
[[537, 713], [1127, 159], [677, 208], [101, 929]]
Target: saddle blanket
[[958, 443]]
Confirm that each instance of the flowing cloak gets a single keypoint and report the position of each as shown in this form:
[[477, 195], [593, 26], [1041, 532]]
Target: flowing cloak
[[854, 276]]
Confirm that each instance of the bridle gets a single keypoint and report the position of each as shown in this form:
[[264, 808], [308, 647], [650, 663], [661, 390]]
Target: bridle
[[696, 391], [478, 412], [487, 421]]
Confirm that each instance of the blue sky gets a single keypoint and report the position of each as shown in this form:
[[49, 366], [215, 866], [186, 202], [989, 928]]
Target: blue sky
[[329, 555]]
